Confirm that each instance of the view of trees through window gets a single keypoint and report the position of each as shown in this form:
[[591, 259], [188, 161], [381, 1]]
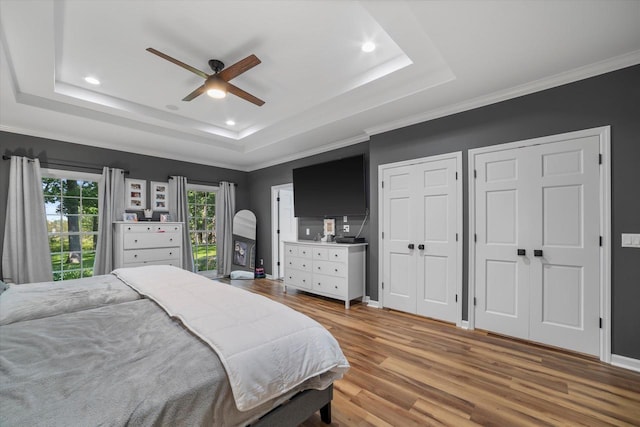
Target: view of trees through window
[[202, 227], [72, 221]]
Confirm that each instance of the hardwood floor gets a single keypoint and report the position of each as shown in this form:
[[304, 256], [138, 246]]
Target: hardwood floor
[[411, 371]]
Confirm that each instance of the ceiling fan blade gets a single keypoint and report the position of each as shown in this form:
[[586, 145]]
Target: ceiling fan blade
[[194, 94], [179, 63], [244, 95], [239, 67]]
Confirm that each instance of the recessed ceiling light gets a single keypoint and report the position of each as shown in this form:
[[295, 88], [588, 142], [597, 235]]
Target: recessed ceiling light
[[368, 47], [172, 107], [92, 80], [230, 122]]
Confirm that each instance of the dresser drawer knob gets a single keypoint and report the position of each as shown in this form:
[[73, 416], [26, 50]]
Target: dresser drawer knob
[[135, 241], [335, 255], [170, 253], [135, 256], [148, 228], [336, 270], [171, 240], [336, 286], [304, 265]]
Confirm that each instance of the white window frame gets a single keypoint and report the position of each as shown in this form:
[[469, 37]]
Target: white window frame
[[70, 175], [208, 189]]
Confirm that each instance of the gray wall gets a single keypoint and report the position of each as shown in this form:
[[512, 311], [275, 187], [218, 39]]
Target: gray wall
[[261, 181], [141, 167], [611, 99]]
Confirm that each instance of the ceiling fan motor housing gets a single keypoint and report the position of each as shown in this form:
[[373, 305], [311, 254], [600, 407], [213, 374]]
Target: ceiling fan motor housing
[[216, 65]]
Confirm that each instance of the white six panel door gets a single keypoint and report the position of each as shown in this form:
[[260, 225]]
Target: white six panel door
[[419, 249], [436, 232], [543, 200], [399, 264], [565, 301], [502, 276]]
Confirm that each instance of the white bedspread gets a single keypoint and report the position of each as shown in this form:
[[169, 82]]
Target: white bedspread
[[266, 348]]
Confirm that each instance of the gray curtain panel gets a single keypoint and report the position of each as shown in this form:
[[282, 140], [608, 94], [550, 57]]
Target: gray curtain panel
[[225, 209], [25, 250], [179, 210], [110, 208]]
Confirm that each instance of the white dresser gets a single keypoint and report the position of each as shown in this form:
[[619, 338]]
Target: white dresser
[[147, 243], [333, 270]]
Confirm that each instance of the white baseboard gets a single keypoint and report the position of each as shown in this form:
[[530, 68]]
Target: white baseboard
[[372, 303], [625, 362]]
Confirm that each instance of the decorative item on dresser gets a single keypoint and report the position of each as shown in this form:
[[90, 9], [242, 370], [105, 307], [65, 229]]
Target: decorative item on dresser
[[328, 269], [147, 243]]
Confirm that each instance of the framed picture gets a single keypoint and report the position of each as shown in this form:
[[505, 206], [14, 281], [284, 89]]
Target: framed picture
[[130, 217], [159, 196], [135, 194], [165, 218], [330, 227]]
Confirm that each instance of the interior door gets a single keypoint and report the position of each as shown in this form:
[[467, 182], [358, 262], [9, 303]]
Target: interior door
[[565, 302], [436, 214], [502, 275], [399, 264], [287, 224]]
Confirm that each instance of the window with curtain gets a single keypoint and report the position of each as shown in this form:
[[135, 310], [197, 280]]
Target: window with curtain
[[202, 227], [71, 206]]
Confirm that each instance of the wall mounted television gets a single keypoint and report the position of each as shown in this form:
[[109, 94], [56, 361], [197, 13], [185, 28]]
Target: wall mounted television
[[331, 189]]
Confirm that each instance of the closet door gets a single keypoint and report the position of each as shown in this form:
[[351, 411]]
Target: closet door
[[419, 251], [503, 201], [436, 239], [537, 249], [565, 298], [399, 262]]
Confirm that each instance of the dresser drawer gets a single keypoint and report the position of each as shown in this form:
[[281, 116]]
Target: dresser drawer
[[305, 252], [147, 255], [330, 268], [338, 255], [151, 240], [298, 279], [291, 250], [320, 254], [330, 285], [303, 264], [151, 228]]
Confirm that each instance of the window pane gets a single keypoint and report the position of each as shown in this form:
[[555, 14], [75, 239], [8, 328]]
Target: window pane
[[54, 223], [88, 242], [90, 206], [89, 189], [56, 262], [88, 223]]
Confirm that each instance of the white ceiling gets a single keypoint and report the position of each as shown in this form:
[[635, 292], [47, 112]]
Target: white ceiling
[[433, 58]]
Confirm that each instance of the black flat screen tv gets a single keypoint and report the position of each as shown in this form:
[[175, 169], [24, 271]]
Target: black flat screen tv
[[331, 189]]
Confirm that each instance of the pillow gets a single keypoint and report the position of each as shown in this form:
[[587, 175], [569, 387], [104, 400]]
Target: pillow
[[241, 275]]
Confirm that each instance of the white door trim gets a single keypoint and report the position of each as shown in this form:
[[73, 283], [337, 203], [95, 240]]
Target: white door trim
[[604, 134], [381, 168], [275, 189]]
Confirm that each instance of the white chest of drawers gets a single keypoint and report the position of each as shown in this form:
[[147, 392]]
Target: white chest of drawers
[[147, 243], [328, 269]]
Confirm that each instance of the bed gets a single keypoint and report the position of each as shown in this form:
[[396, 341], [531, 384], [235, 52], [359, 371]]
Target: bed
[[179, 350]]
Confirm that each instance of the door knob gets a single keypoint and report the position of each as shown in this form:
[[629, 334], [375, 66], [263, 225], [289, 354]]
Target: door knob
[[421, 247], [411, 246], [522, 252], [537, 252]]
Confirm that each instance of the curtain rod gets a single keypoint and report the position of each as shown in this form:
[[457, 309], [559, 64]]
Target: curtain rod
[[215, 184], [68, 164]]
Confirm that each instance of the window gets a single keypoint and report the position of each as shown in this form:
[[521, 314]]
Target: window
[[71, 206], [202, 226]]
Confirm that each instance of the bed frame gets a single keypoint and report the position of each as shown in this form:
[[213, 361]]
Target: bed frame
[[299, 408]]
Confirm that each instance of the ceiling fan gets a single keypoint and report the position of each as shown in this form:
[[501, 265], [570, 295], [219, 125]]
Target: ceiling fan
[[217, 84]]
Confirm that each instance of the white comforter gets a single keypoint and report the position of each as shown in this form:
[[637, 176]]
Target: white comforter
[[266, 348]]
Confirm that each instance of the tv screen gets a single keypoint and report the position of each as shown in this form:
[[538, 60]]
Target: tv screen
[[335, 188]]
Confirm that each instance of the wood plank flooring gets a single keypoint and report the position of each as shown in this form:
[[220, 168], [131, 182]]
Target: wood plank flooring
[[410, 371]]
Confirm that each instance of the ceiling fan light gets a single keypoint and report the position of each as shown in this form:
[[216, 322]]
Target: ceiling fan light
[[217, 93]]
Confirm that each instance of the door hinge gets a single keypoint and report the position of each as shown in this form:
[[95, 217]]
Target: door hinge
[[475, 237], [475, 174], [382, 183], [456, 176], [277, 199], [456, 297], [278, 263], [601, 323], [599, 159], [383, 234], [278, 231], [475, 302], [456, 237], [382, 285], [600, 240]]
